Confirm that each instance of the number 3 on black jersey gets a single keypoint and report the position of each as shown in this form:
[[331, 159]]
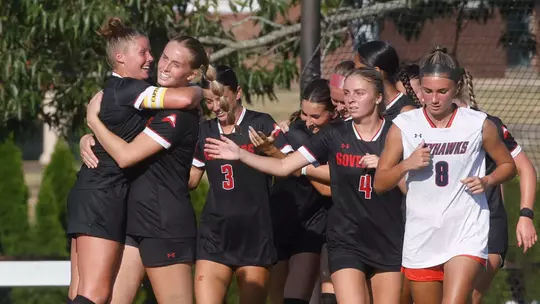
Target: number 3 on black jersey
[[228, 183], [365, 185]]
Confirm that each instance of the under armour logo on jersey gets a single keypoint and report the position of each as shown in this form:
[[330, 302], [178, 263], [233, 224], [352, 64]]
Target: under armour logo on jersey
[[418, 135], [171, 255], [170, 119], [345, 146]]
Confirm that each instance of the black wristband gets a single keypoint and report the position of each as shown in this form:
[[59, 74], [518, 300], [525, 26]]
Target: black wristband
[[526, 212]]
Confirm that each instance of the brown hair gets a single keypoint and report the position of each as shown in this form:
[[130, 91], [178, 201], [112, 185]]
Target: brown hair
[[344, 68], [118, 36], [439, 59]]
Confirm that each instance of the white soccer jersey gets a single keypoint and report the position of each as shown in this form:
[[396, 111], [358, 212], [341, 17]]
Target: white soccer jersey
[[444, 220]]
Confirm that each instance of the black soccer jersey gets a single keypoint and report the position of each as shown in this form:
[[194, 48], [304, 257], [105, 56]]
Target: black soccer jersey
[[494, 195], [293, 199], [393, 109], [159, 204], [360, 220], [121, 116], [236, 216]]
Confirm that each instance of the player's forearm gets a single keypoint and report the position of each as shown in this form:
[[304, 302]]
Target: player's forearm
[[114, 145], [527, 181], [183, 98], [321, 188], [386, 179], [320, 173], [503, 173], [268, 165], [274, 152]]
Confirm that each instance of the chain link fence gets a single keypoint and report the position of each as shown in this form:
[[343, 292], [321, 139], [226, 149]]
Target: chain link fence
[[496, 42]]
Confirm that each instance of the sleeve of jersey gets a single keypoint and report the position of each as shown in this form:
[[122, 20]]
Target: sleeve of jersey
[[198, 157], [164, 128], [151, 98], [131, 90], [316, 150], [509, 141], [282, 143]]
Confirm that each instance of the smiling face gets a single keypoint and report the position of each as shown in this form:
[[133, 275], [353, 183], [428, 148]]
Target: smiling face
[[315, 115], [134, 58], [213, 102], [361, 98], [174, 66], [338, 100], [438, 94]]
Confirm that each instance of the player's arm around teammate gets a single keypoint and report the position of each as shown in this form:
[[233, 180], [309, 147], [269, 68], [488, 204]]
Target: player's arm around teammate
[[183, 60], [353, 258], [442, 79], [498, 229]]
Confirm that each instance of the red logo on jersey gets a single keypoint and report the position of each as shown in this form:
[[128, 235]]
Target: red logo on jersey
[[345, 146], [277, 129], [171, 255], [505, 132], [170, 119]]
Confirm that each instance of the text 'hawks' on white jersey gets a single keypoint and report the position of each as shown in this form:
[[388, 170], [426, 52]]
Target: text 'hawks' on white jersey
[[444, 219]]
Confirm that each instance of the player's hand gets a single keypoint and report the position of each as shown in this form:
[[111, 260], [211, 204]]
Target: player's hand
[[526, 233], [370, 161], [87, 155], [93, 108], [261, 141], [475, 184], [284, 125], [223, 148], [420, 158]]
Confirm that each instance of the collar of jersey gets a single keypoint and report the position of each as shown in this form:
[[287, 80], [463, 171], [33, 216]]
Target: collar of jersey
[[116, 75], [396, 98], [237, 122]]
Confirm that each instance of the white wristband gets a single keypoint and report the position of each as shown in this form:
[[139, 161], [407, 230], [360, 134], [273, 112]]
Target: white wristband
[[304, 170]]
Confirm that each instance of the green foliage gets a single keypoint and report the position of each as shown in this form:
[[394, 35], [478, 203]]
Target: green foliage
[[62, 175], [13, 203], [48, 236], [39, 295]]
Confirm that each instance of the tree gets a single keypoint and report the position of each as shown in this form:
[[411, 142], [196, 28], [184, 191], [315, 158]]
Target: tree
[[62, 175], [51, 45], [13, 204]]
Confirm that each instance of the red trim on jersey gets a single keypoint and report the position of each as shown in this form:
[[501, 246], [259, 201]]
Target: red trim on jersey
[[393, 101], [448, 124], [374, 136]]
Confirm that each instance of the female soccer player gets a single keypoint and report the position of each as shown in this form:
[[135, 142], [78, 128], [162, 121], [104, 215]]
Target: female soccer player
[[382, 56], [97, 202], [161, 228], [298, 210], [336, 87], [413, 72], [443, 150], [498, 223], [364, 230], [235, 230]]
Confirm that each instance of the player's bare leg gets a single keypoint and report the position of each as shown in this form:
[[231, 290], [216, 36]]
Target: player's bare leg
[[74, 282], [172, 284], [459, 276], [98, 260], [386, 287], [129, 278], [483, 281], [253, 284], [303, 271], [326, 281], [350, 286], [212, 281], [426, 292], [276, 282], [406, 294]]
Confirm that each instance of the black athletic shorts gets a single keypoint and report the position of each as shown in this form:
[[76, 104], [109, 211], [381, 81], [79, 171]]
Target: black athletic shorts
[[98, 212], [157, 252], [295, 238], [339, 259], [498, 237]]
